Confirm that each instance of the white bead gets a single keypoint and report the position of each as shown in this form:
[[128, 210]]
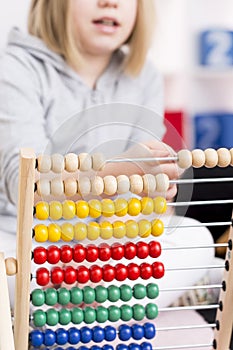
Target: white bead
[[71, 162], [162, 182], [184, 159], [84, 185], [97, 186], [136, 184], [98, 161], [44, 163], [11, 266], [224, 157], [43, 188], [149, 184], [110, 185], [123, 184], [198, 158], [231, 152], [58, 163], [211, 158], [85, 162], [70, 187], [57, 187]]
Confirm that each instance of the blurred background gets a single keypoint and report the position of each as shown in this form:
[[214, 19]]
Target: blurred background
[[193, 48]]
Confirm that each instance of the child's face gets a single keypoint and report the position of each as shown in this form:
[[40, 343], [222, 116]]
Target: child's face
[[102, 26]]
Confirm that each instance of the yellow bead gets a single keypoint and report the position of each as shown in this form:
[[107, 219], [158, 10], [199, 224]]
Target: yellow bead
[[160, 205], [108, 207], [134, 207], [41, 233], [68, 210], [132, 229], [157, 227], [80, 231], [93, 231], [147, 204], [95, 208], [82, 209], [54, 232], [144, 228], [106, 230], [55, 210], [67, 232], [119, 229], [121, 207], [42, 211]]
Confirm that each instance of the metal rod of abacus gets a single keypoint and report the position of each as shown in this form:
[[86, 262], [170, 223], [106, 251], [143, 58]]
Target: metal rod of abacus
[[202, 180], [196, 287], [207, 267], [202, 224], [209, 202], [214, 245], [177, 328], [140, 159], [190, 307], [173, 347]]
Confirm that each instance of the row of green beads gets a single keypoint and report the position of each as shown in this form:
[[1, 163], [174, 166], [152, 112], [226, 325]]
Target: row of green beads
[[88, 295], [89, 315]]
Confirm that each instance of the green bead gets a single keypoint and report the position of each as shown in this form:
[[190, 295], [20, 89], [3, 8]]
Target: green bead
[[76, 295], [77, 315], [51, 297], [101, 314], [63, 296], [151, 311], [126, 312], [138, 312], [39, 318], [101, 294], [126, 292], [114, 313], [139, 291], [64, 317], [89, 315], [88, 295], [152, 290], [52, 317], [38, 297], [114, 293]]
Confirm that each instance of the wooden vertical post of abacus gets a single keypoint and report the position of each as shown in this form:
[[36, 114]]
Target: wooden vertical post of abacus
[[224, 318], [6, 338], [24, 248]]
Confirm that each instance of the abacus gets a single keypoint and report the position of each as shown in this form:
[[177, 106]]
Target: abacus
[[82, 292]]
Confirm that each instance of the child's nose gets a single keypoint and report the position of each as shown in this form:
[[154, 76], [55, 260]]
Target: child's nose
[[108, 3]]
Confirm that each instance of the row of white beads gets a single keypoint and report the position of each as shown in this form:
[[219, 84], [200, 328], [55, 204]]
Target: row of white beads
[[209, 158]]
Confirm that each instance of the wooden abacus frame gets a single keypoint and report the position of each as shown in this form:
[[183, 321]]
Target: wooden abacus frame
[[224, 318]]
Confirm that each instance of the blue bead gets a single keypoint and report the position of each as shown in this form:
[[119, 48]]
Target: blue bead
[[49, 337], [59, 348], [134, 346], [62, 336], [83, 348], [110, 333], [70, 348], [149, 330], [108, 347], [74, 335], [125, 332], [137, 332], [122, 347], [98, 334], [146, 346], [85, 334], [36, 338], [95, 347]]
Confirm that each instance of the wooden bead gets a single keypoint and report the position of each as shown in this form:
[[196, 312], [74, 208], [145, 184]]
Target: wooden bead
[[70, 187], [57, 187], [58, 163], [85, 162], [98, 161], [149, 183], [211, 158], [231, 152], [198, 158], [44, 163], [97, 186], [110, 185], [43, 188], [136, 184], [84, 185], [162, 182], [184, 159], [71, 162], [224, 157], [123, 184], [11, 266]]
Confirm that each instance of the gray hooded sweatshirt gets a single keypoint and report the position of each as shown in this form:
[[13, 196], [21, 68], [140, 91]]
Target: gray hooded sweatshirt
[[45, 105]]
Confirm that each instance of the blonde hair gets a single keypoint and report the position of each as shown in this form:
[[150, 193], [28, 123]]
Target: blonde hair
[[50, 21]]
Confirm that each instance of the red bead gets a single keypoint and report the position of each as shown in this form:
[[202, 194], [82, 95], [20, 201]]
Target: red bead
[[118, 251], [133, 272], [42, 276], [142, 250], [130, 250], [79, 253], [121, 272], [57, 275], [66, 254], [108, 273], [92, 253], [155, 249], [53, 254], [70, 275], [83, 274], [40, 255], [158, 269], [96, 273], [146, 271], [104, 252]]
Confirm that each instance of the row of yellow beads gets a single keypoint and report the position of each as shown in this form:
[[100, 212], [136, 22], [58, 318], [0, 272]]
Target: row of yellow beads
[[93, 230], [95, 208]]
